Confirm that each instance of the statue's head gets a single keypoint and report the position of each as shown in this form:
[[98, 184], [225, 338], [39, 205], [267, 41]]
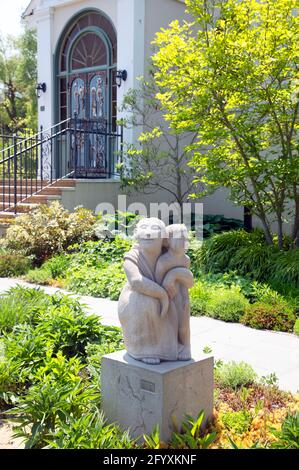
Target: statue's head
[[150, 233], [177, 238]]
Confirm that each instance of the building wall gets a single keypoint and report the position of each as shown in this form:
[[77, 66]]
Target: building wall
[[159, 14]]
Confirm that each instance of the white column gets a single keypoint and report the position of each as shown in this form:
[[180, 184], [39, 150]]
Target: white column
[[130, 47], [44, 20]]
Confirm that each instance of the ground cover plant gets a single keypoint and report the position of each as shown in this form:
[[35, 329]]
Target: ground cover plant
[[50, 365]]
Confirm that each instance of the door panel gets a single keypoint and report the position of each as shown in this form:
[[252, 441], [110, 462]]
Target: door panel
[[89, 106]]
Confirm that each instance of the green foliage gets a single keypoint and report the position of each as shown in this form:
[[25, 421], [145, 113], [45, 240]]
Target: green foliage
[[288, 436], [18, 305], [224, 303], [285, 271], [42, 276], [103, 251], [106, 282], [228, 76], [271, 380], [13, 265], [18, 75], [213, 224], [53, 268], [238, 421], [227, 251], [49, 229], [45, 405], [199, 295], [296, 327], [248, 255], [68, 327], [269, 316], [57, 265], [193, 435], [9, 380], [194, 252], [89, 431], [227, 304], [118, 225], [234, 375]]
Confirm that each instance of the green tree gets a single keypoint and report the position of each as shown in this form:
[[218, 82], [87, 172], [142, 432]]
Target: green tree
[[233, 74], [159, 159], [18, 104]]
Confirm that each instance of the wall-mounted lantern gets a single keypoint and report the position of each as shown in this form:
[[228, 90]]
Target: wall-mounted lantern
[[41, 88], [121, 75]]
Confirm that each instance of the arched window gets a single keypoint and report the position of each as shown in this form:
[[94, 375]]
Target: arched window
[[86, 62]]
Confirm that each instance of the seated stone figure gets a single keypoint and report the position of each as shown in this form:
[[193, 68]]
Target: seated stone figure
[[152, 311], [172, 272]]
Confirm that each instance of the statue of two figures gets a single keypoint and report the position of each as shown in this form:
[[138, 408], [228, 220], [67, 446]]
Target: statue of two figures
[[154, 309]]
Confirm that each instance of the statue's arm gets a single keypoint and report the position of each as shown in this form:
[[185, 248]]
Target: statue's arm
[[143, 285], [182, 275]]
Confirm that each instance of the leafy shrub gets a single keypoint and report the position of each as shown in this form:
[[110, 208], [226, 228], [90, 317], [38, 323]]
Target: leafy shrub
[[224, 303], [192, 435], [54, 324], [285, 271], [266, 316], [68, 326], [237, 421], [218, 251], [49, 229], [227, 304], [42, 276], [53, 268], [57, 265], [264, 293], [51, 402], [18, 305], [89, 431], [194, 251], [296, 327], [288, 436], [106, 282], [247, 254], [230, 279], [234, 375], [13, 264], [218, 223], [12, 312], [9, 378], [199, 295], [111, 250]]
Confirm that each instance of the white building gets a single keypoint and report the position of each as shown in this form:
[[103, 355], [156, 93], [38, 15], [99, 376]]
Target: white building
[[85, 48]]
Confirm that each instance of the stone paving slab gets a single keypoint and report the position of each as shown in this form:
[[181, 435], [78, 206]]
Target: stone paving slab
[[267, 351]]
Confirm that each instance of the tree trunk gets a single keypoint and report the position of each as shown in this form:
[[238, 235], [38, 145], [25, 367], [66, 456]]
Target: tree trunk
[[295, 234], [247, 219]]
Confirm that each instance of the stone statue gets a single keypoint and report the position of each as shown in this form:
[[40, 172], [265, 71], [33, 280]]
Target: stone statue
[[154, 307]]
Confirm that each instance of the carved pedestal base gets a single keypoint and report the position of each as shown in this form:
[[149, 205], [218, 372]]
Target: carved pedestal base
[[139, 396]]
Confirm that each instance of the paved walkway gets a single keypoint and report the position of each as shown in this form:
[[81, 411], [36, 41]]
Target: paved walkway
[[266, 351]]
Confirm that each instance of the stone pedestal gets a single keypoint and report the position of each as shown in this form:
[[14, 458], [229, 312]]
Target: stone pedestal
[[138, 396]]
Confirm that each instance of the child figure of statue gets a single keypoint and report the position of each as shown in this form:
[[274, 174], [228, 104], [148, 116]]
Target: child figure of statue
[[153, 307], [173, 274]]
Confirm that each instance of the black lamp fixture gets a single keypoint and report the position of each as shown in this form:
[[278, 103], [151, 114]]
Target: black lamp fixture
[[41, 87], [121, 75]]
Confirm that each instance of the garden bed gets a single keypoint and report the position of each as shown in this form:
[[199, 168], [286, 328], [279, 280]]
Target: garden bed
[[50, 366]]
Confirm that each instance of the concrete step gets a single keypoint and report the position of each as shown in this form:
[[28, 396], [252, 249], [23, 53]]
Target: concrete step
[[20, 189], [21, 207], [7, 215], [64, 183]]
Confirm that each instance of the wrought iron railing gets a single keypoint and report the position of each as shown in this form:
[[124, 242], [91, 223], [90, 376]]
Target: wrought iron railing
[[73, 148]]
